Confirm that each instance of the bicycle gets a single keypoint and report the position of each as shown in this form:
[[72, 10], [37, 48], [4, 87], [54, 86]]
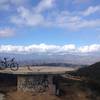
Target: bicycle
[[12, 64]]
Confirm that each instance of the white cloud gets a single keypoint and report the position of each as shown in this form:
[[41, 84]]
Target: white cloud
[[42, 48], [63, 19], [44, 5], [8, 4], [4, 5], [91, 10], [88, 23], [66, 20], [15, 2], [27, 17], [50, 49], [34, 16], [90, 48], [7, 32]]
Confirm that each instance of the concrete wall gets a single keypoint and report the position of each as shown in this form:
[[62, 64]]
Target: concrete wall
[[36, 83], [8, 82]]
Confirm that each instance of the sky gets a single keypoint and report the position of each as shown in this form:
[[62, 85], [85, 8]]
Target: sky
[[50, 26]]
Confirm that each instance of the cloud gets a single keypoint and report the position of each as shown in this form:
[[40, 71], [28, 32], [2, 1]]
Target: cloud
[[26, 17], [44, 5], [88, 23], [90, 48], [46, 14], [91, 10], [42, 48], [7, 32], [63, 19], [4, 5], [15, 2], [32, 17], [40, 16], [8, 4], [50, 49]]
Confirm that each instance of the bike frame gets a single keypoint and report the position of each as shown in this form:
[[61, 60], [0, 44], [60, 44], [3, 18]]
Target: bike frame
[[9, 64]]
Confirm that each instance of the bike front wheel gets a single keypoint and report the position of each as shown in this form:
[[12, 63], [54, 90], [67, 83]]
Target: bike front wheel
[[14, 66]]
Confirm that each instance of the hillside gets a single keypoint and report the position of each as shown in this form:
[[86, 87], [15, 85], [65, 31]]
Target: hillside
[[92, 72]]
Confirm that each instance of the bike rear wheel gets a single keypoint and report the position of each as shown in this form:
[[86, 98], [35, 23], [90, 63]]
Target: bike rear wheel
[[2, 66], [14, 67]]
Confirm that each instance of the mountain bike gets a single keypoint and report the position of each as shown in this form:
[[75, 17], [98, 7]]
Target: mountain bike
[[12, 64]]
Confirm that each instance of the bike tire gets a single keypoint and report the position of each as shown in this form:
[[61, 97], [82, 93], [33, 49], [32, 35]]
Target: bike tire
[[14, 66], [2, 66]]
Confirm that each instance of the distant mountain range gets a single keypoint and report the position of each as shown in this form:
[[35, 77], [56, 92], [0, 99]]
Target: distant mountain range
[[35, 58]]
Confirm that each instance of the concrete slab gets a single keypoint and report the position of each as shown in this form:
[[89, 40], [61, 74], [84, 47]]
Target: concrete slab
[[38, 70]]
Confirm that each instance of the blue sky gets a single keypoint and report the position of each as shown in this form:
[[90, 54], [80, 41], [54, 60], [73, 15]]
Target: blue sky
[[50, 22]]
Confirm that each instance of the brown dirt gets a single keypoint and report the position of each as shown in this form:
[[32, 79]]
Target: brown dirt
[[29, 96], [70, 95]]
